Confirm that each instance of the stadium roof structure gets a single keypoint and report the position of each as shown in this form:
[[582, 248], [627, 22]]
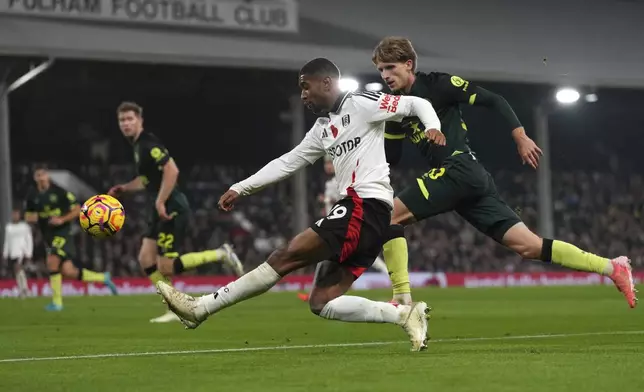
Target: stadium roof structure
[[575, 42]]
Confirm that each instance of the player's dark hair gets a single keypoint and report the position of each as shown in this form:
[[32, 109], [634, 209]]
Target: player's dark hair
[[130, 107], [395, 50], [39, 166], [321, 67]]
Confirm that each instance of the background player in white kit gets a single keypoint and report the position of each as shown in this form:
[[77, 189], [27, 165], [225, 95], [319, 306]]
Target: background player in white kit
[[18, 248], [351, 236]]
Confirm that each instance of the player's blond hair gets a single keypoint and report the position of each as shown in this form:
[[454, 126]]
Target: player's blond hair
[[395, 50], [130, 107]]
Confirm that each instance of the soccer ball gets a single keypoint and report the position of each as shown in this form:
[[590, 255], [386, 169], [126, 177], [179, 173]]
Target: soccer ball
[[102, 216]]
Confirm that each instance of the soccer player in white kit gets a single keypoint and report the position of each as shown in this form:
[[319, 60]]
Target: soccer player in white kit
[[331, 196], [18, 247], [350, 237]]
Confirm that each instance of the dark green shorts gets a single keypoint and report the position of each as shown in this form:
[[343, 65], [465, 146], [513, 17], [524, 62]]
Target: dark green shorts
[[62, 246], [169, 235], [463, 185]]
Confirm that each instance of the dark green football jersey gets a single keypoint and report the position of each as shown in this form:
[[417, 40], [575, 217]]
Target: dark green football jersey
[[445, 92], [150, 156], [54, 201]]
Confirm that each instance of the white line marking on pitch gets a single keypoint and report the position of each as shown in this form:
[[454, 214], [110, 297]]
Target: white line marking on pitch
[[299, 347]]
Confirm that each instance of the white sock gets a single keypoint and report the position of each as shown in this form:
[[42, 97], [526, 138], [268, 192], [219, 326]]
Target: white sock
[[361, 310], [21, 278], [254, 283], [380, 266]]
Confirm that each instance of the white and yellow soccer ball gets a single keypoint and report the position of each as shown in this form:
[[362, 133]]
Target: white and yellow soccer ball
[[102, 216]]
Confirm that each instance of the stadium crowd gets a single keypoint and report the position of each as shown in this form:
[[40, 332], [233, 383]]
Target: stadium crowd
[[600, 211]]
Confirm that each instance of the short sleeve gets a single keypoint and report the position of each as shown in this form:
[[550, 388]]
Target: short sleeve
[[156, 152]]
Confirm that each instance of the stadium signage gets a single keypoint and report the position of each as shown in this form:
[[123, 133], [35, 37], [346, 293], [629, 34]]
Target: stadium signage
[[260, 15]]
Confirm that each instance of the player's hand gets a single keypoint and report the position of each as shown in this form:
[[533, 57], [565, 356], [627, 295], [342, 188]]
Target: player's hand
[[116, 190], [163, 214], [56, 221], [528, 150], [227, 200], [435, 136]]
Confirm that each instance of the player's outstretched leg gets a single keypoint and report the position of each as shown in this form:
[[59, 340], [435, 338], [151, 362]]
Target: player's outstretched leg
[[70, 271], [327, 300], [307, 248], [224, 254], [167, 267], [530, 246]]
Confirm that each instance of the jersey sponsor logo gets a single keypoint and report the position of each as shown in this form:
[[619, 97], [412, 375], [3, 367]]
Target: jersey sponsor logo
[[344, 147], [390, 103], [346, 120]]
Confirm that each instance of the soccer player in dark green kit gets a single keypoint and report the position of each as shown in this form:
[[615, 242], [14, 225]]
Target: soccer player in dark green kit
[[457, 181], [169, 212], [53, 209]]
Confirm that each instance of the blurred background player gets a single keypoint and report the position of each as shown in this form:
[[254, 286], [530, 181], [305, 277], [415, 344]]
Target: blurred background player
[[169, 214], [328, 199], [53, 209], [18, 248], [458, 182]]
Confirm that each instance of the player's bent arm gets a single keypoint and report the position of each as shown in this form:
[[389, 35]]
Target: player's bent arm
[[74, 210], [134, 185], [421, 108], [304, 154], [482, 97], [395, 108], [168, 181]]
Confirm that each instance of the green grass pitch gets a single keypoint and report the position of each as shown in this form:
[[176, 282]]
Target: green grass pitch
[[504, 339]]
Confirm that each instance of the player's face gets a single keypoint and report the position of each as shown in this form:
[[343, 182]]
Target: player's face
[[42, 178], [328, 168], [130, 123], [316, 93], [15, 216], [398, 76]]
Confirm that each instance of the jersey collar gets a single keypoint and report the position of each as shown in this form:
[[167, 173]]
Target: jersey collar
[[418, 89], [338, 103]]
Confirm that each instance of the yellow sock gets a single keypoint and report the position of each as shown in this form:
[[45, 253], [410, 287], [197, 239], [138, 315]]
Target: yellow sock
[[193, 260], [570, 256], [92, 276], [157, 276], [396, 258], [56, 283]]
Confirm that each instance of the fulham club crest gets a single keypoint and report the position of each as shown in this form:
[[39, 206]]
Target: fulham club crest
[[346, 120]]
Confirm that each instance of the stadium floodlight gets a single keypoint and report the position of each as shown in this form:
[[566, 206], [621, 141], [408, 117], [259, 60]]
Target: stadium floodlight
[[30, 75], [349, 84], [592, 97], [567, 95], [375, 86]]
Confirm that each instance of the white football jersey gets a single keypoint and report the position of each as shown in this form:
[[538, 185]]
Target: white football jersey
[[353, 136], [18, 241]]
